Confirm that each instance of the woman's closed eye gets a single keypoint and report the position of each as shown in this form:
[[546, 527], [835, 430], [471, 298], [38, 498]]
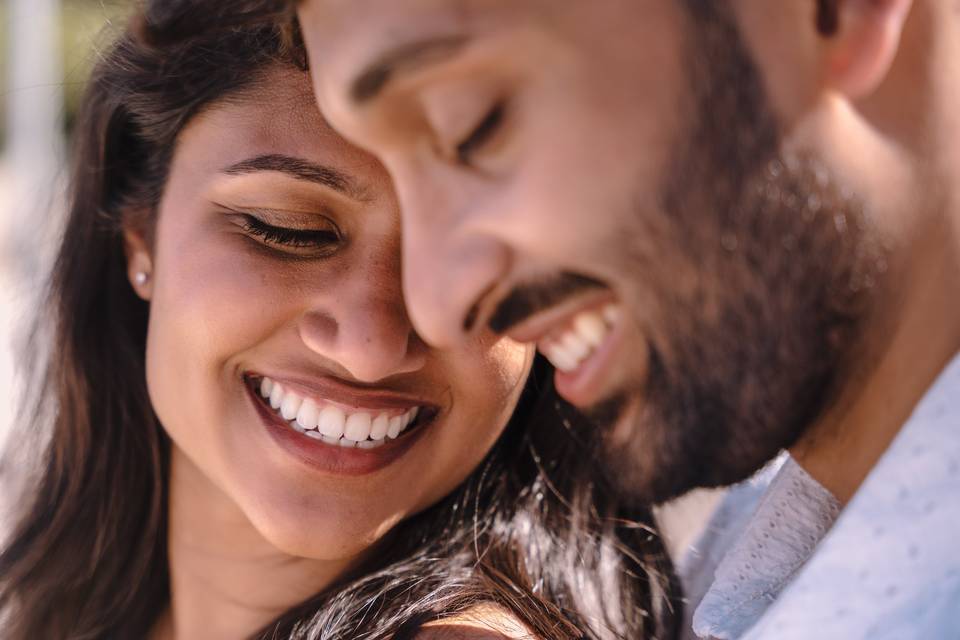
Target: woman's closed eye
[[305, 241]]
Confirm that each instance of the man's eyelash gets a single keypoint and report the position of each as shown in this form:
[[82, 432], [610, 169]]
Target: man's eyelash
[[297, 238], [481, 134]]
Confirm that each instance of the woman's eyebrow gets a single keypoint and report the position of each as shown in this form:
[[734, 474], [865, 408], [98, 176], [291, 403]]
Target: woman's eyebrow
[[301, 170]]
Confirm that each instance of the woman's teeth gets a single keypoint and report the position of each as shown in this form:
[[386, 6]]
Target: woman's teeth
[[331, 424], [569, 348]]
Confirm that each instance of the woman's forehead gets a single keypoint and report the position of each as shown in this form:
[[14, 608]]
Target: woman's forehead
[[277, 114], [281, 94]]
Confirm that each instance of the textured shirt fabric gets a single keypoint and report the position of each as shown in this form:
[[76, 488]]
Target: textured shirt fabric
[[888, 568], [697, 566], [791, 518]]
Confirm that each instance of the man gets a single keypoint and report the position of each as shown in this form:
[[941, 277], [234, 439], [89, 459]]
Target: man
[[734, 229]]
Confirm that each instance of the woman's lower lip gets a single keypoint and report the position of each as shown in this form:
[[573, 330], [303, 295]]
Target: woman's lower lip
[[328, 458]]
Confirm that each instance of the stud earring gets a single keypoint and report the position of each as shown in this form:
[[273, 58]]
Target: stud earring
[[141, 278]]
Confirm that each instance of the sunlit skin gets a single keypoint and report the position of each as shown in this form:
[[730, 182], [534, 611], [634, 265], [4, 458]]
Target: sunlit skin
[[254, 529], [529, 138]]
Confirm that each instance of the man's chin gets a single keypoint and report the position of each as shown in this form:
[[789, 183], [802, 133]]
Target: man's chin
[[628, 449], [638, 457], [645, 465], [624, 420]]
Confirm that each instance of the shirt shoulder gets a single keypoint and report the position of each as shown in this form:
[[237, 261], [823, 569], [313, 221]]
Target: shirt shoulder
[[890, 567]]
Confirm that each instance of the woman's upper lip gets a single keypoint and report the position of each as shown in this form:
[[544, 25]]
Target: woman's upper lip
[[331, 389]]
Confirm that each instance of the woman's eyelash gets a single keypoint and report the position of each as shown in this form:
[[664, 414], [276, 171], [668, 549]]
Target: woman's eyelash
[[297, 238], [481, 134]]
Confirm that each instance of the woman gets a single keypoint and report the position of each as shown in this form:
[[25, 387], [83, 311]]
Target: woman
[[239, 433]]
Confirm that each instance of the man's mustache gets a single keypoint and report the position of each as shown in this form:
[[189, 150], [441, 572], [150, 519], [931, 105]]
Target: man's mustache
[[528, 299]]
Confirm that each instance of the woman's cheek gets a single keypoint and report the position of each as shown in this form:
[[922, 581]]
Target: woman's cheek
[[503, 366], [511, 362], [212, 301]]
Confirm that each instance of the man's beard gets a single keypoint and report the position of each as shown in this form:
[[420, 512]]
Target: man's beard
[[755, 345]]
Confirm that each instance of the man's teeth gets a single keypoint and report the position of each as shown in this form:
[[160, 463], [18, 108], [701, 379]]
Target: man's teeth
[[329, 423], [567, 349]]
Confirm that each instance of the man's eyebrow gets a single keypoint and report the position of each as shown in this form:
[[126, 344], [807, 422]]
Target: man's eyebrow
[[301, 170], [404, 58]]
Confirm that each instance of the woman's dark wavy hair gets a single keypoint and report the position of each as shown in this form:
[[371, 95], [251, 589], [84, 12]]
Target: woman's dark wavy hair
[[535, 529]]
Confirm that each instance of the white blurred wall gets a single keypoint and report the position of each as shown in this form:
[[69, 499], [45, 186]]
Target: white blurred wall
[[30, 168], [6, 309]]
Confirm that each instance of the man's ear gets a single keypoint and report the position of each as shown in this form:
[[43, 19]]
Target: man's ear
[[139, 262], [861, 41]]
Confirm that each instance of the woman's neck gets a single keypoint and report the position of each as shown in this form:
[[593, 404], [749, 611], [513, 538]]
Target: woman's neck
[[226, 580]]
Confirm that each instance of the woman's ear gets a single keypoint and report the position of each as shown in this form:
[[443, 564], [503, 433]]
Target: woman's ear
[[139, 263], [863, 39]]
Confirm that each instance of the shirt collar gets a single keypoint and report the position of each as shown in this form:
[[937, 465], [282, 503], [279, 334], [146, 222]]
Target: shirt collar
[[791, 518]]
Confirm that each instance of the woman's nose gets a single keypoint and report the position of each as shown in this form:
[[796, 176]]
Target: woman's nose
[[365, 329]]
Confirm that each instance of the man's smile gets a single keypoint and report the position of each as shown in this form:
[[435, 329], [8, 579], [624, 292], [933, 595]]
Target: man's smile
[[579, 337]]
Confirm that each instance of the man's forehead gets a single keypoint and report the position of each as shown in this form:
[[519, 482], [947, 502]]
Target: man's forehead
[[383, 22], [375, 10], [353, 33], [357, 47]]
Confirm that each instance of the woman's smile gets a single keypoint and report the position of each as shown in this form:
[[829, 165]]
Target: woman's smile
[[333, 428], [334, 423]]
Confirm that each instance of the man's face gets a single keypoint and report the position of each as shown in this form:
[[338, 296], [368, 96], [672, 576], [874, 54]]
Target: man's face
[[606, 179]]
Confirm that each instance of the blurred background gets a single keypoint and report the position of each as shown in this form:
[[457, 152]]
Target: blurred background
[[46, 50]]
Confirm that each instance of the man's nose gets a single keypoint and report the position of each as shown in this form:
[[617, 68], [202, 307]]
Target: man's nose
[[447, 281], [451, 264]]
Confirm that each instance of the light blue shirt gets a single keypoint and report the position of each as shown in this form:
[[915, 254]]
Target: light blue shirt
[[887, 568]]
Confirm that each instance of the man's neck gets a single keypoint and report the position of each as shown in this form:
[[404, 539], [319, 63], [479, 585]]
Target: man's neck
[[920, 335], [898, 148], [226, 580]]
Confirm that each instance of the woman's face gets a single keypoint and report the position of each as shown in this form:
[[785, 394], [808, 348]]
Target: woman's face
[[276, 271]]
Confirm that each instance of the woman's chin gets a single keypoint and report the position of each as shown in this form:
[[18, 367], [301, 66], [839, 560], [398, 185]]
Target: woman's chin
[[335, 537]]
